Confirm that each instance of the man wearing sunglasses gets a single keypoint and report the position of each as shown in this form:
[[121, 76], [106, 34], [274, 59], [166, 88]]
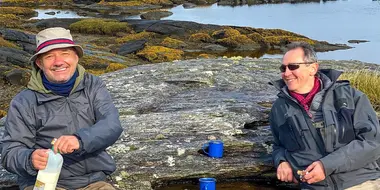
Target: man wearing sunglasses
[[326, 133]]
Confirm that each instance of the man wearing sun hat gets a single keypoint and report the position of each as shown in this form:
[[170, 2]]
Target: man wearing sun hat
[[61, 101], [326, 133]]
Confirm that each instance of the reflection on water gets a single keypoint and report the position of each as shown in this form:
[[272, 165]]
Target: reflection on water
[[225, 186], [333, 21], [57, 14]]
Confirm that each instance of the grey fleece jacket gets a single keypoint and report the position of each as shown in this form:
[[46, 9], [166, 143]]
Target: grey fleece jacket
[[36, 116], [347, 141]]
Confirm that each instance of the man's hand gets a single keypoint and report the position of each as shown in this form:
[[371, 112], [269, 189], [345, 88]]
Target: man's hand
[[66, 144], [40, 158], [285, 173], [314, 173]]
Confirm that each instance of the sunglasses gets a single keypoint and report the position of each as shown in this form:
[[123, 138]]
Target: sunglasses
[[292, 66]]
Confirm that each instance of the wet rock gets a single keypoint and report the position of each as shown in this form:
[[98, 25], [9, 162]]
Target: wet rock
[[131, 47], [189, 5], [50, 13], [10, 56], [168, 26], [214, 47], [155, 15], [54, 22], [357, 41]]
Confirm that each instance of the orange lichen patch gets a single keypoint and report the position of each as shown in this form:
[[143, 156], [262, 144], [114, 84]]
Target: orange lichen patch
[[5, 43], [17, 11], [235, 41], [276, 32], [9, 21], [204, 55], [225, 33], [138, 36], [160, 54], [281, 40], [200, 37], [256, 37], [100, 26], [173, 43]]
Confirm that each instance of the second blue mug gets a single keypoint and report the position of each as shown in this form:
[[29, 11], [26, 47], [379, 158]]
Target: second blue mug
[[207, 184], [215, 148]]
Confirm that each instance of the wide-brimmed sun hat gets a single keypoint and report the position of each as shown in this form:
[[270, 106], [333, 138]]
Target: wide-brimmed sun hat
[[54, 38]]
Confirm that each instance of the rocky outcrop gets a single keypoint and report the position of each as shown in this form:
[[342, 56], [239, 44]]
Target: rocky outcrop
[[155, 15], [24, 40]]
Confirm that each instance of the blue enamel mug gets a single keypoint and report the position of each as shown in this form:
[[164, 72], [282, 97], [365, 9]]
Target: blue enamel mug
[[215, 148], [207, 183]]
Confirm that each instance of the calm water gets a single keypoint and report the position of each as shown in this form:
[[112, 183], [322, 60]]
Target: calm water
[[332, 21], [58, 14]]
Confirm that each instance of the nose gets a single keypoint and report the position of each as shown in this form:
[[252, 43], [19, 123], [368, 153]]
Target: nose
[[287, 72]]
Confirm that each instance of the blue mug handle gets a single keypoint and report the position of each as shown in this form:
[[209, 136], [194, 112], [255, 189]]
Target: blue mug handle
[[203, 148]]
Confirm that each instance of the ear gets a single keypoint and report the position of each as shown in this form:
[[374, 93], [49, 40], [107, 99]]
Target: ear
[[314, 69], [38, 62]]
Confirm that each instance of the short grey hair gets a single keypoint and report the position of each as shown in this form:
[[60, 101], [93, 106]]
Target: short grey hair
[[309, 53]]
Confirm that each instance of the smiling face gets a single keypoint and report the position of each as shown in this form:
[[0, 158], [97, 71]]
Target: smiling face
[[300, 80], [58, 65]]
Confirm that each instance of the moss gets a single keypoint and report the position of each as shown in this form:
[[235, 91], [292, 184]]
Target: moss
[[200, 37], [10, 21], [5, 43], [173, 43], [234, 41], [283, 40], [100, 26], [22, 11], [225, 33], [138, 36], [160, 54]]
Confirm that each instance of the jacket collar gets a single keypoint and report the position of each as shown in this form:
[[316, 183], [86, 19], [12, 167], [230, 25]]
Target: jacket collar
[[44, 95]]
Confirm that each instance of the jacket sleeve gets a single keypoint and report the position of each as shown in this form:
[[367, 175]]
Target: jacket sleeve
[[278, 153], [18, 141], [107, 127], [365, 148]]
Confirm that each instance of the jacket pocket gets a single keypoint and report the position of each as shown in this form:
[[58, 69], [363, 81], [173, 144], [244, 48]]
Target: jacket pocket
[[290, 137], [346, 126]]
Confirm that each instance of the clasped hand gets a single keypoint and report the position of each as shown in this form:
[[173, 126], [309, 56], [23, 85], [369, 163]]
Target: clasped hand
[[65, 145], [314, 173]]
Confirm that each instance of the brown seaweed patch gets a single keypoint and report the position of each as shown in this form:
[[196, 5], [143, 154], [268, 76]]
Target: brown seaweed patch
[[235, 41], [200, 37], [137, 36], [173, 43], [160, 54]]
